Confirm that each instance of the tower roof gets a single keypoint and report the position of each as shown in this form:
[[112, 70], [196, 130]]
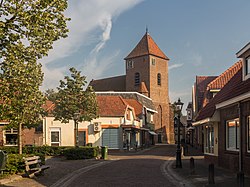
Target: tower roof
[[146, 46]]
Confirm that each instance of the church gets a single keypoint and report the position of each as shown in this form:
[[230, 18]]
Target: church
[[146, 73]]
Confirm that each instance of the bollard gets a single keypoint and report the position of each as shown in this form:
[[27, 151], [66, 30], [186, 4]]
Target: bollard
[[211, 174], [240, 179], [192, 167]]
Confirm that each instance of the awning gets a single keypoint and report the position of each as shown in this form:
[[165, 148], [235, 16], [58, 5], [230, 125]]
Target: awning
[[152, 133]]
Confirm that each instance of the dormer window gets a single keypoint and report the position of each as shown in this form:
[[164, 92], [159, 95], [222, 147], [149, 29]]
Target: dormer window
[[244, 54], [248, 65]]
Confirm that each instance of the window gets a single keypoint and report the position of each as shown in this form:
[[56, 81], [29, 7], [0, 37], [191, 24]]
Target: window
[[248, 65], [130, 64], [233, 134], [82, 138], [153, 61], [55, 136], [209, 139], [159, 79], [11, 137], [137, 79]]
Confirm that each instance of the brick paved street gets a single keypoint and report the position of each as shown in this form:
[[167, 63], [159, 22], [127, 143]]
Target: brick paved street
[[122, 169]]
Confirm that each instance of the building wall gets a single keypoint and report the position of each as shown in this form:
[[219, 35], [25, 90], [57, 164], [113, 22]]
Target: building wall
[[230, 159], [141, 65], [158, 93]]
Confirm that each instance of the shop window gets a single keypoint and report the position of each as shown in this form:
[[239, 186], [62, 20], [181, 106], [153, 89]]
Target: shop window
[[233, 134], [209, 139], [137, 79]]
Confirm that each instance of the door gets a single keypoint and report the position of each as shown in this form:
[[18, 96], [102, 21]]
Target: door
[[82, 138], [110, 138]]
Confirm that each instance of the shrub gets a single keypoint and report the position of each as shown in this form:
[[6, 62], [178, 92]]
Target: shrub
[[14, 164], [81, 153]]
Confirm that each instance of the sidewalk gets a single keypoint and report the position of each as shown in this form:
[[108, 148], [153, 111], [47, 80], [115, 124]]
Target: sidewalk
[[199, 178]]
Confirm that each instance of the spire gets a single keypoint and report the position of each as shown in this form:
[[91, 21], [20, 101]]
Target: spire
[[146, 46]]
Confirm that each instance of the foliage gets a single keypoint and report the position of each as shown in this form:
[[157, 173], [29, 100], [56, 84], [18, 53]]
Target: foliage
[[81, 153], [50, 95], [14, 164], [72, 98], [28, 28]]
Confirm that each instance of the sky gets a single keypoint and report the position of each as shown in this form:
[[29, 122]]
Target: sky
[[200, 37]]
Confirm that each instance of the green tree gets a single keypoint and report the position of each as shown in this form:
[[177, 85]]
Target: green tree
[[28, 29], [21, 97], [73, 102], [50, 94]]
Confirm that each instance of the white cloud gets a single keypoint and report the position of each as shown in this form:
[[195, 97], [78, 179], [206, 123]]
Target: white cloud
[[174, 66], [88, 18]]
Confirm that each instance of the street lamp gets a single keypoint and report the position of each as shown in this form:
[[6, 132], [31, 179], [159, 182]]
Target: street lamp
[[76, 119], [179, 106]]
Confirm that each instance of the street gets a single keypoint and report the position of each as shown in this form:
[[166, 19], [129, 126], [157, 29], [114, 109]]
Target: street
[[146, 167]]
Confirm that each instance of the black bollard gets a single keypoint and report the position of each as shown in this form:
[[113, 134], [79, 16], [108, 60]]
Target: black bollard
[[240, 179], [192, 167], [211, 174]]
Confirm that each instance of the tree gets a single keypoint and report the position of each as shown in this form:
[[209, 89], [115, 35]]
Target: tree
[[21, 98], [28, 28], [73, 102]]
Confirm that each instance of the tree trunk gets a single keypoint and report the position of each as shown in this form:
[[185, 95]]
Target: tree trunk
[[20, 139]]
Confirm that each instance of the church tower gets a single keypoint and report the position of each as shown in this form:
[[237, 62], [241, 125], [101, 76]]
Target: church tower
[[147, 73]]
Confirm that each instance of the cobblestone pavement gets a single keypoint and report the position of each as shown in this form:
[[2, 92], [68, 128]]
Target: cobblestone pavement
[[145, 168]]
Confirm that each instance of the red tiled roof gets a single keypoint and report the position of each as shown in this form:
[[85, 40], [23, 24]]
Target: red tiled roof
[[111, 106], [49, 106], [136, 105], [109, 84], [146, 46], [143, 88], [201, 86], [235, 87], [223, 78]]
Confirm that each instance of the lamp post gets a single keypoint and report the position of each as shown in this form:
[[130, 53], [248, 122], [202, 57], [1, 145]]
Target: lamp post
[[76, 119], [179, 106]]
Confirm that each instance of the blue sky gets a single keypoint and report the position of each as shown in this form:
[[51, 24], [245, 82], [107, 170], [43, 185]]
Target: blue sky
[[200, 38]]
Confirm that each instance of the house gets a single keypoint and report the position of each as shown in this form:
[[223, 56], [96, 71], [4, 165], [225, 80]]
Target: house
[[225, 118], [206, 89], [146, 73], [119, 126]]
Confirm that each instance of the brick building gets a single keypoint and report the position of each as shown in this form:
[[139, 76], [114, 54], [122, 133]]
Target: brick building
[[146, 73]]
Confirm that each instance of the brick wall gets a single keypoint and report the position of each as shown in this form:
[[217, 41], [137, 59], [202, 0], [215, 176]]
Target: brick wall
[[230, 159]]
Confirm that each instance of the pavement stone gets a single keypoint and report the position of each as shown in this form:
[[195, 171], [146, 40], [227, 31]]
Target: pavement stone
[[199, 178], [61, 168]]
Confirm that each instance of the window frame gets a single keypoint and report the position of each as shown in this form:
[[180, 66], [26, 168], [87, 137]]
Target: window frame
[[236, 134], [209, 139], [153, 61], [247, 63], [11, 131], [130, 64], [52, 130]]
